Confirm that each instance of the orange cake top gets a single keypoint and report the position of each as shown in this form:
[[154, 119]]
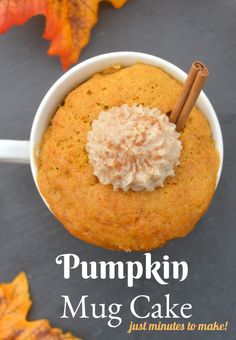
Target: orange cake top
[[128, 220]]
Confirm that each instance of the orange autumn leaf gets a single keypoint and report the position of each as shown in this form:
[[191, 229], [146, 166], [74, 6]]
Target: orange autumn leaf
[[68, 22], [14, 306]]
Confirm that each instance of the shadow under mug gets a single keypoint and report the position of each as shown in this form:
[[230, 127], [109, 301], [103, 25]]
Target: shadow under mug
[[23, 151]]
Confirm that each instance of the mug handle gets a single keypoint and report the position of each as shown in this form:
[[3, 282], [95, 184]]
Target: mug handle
[[14, 151]]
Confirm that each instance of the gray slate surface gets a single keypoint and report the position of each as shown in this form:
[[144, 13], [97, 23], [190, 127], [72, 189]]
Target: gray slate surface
[[30, 237]]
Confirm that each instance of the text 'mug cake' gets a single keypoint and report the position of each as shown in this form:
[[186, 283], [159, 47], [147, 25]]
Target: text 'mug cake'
[[115, 171]]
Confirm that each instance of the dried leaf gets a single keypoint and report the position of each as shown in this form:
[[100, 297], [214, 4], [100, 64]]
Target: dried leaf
[[17, 12], [68, 22], [14, 306]]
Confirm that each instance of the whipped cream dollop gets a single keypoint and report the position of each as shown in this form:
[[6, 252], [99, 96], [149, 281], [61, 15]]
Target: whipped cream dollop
[[133, 147]]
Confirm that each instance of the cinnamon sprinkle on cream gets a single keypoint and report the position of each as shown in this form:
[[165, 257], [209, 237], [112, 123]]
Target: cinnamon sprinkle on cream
[[133, 147]]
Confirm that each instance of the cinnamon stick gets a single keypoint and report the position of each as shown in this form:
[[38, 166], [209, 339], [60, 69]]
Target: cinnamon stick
[[192, 98], [195, 68]]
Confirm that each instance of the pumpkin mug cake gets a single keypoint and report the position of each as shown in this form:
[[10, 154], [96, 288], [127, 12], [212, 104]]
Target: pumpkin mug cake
[[120, 167]]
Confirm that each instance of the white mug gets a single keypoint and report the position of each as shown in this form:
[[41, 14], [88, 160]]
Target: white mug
[[24, 151]]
